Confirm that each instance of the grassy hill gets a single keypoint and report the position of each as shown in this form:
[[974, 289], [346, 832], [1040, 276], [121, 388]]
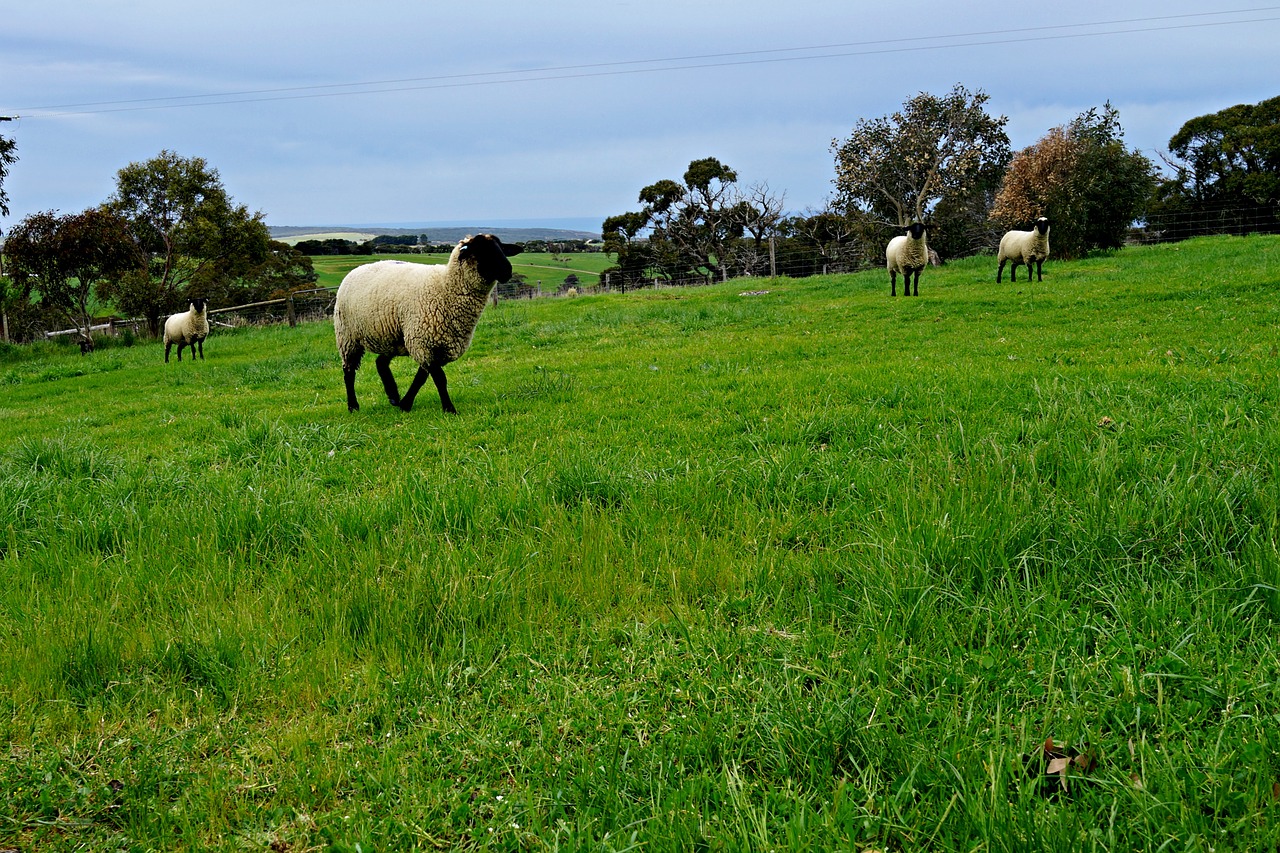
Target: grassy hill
[[779, 564]]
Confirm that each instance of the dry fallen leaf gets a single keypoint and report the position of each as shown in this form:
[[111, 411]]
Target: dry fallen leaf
[[1055, 766]]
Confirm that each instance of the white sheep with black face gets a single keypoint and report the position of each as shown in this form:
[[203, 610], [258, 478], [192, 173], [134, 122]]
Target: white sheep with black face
[[1024, 247], [907, 254], [189, 328], [427, 312]]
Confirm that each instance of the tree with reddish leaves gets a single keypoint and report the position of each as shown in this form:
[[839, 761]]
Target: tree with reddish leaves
[[1081, 176]]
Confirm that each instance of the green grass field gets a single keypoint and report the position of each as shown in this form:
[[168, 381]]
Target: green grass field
[[778, 565], [534, 266]]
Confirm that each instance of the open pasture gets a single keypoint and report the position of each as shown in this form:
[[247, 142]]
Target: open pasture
[[767, 565]]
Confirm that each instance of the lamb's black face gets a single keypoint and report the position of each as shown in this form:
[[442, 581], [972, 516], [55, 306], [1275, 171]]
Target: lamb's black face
[[490, 256], [915, 229], [198, 303], [1042, 225]]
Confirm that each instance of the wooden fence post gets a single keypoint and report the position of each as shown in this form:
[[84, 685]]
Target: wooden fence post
[[293, 315]]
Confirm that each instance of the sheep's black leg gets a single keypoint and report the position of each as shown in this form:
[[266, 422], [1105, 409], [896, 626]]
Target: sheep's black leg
[[442, 385], [893, 283], [167, 346], [350, 363], [349, 377], [419, 379], [180, 346], [193, 350], [383, 363], [916, 276], [1013, 271], [999, 272], [1039, 271]]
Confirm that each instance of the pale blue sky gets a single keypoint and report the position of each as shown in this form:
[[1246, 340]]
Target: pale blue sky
[[326, 113]]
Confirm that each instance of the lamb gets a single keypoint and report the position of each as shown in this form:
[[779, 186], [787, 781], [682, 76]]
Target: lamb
[[1025, 247], [907, 254], [189, 328], [428, 313]]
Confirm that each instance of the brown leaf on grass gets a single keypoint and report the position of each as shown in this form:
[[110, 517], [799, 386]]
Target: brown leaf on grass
[[1057, 766]]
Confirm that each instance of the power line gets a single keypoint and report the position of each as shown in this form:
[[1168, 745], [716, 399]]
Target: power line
[[628, 67]]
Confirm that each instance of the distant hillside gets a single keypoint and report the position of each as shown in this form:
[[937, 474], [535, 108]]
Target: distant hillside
[[294, 233]]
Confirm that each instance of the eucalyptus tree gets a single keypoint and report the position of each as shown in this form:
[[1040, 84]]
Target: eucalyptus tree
[[899, 167], [693, 226], [189, 227], [1225, 172]]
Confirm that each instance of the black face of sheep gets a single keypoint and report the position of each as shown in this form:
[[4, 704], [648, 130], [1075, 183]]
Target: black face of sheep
[[198, 303], [914, 230], [1042, 225], [489, 254]]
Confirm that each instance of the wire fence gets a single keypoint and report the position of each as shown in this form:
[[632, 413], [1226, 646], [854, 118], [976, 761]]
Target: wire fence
[[1207, 221], [299, 307]]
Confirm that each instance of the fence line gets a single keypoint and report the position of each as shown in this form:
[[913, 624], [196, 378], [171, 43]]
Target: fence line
[[315, 303]]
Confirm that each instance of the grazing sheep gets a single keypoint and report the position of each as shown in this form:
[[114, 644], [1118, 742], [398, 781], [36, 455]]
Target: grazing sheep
[[423, 311], [1025, 247], [189, 328], [907, 254]]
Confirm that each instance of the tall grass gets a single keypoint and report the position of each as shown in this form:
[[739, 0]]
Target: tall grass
[[803, 569]]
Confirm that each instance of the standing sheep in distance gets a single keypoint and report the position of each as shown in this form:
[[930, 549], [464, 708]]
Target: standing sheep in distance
[[189, 328], [1025, 247], [907, 254], [423, 311]]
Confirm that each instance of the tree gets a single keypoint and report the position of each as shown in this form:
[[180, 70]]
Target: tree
[[760, 212], [1083, 178], [820, 241], [899, 167], [66, 258], [622, 237], [7, 159], [186, 223], [694, 226], [698, 219], [1226, 173]]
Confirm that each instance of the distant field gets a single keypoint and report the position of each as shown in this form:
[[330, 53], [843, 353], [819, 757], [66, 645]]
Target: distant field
[[534, 266], [778, 565], [354, 236]]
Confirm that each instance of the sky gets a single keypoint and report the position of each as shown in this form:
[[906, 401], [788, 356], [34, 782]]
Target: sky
[[556, 114]]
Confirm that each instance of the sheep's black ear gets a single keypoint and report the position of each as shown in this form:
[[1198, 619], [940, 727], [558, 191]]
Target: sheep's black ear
[[510, 249]]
